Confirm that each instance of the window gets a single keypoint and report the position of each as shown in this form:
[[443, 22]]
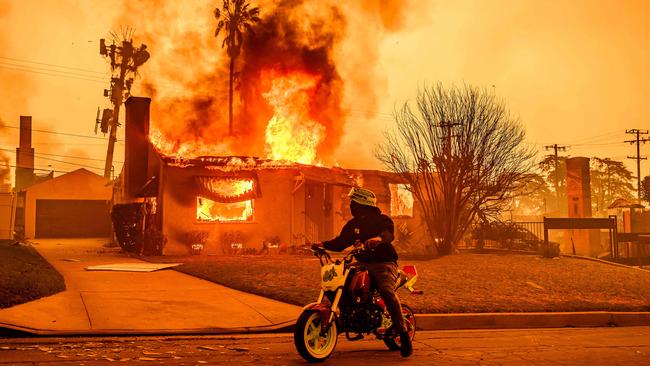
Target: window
[[210, 211], [401, 201], [225, 200]]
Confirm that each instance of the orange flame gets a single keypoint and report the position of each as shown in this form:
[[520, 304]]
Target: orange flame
[[208, 210], [292, 134]]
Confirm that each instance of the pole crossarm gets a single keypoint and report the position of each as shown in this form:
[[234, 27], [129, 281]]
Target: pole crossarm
[[638, 140]]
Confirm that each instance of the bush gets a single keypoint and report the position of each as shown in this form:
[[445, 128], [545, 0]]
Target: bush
[[550, 250]]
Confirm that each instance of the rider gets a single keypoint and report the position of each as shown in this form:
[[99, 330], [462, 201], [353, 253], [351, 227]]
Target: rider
[[369, 225]]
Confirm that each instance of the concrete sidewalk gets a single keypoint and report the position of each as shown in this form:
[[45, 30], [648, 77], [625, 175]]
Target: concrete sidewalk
[[162, 302]]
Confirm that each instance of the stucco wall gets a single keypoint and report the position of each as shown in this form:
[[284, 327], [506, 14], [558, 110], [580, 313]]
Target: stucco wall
[[271, 216], [418, 241], [80, 184], [6, 215]]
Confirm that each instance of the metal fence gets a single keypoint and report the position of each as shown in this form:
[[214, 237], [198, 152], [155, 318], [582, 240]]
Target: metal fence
[[509, 235]]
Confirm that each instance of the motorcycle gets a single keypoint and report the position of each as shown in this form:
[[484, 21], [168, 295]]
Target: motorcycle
[[348, 303]]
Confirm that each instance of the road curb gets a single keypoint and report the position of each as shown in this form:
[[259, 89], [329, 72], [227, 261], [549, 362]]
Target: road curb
[[604, 262], [424, 322], [11, 330], [530, 320]]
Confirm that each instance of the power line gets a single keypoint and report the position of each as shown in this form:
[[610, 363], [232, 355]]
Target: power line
[[53, 74], [67, 162], [60, 156], [43, 169], [29, 67], [61, 133], [52, 65]]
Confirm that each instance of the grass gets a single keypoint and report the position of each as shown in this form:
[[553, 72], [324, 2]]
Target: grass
[[453, 284], [24, 275]]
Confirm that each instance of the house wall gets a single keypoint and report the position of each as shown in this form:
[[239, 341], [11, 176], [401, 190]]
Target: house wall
[[417, 241], [272, 212], [77, 185], [7, 202]]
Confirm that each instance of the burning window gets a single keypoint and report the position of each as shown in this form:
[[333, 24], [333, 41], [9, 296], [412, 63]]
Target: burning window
[[208, 210], [224, 199], [401, 201]]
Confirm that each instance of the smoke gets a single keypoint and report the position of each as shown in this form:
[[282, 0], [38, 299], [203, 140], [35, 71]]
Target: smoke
[[187, 75]]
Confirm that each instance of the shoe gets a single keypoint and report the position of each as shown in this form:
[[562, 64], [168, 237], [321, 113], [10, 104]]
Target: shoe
[[407, 345]]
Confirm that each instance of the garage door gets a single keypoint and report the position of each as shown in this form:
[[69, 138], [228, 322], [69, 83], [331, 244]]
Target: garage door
[[72, 219]]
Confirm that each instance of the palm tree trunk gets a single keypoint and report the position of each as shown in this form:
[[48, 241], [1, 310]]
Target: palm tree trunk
[[232, 73]]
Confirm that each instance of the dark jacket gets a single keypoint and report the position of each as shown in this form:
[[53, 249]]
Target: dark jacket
[[373, 223]]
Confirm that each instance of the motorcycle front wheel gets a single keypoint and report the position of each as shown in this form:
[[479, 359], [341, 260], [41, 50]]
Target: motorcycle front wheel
[[310, 343], [393, 343]]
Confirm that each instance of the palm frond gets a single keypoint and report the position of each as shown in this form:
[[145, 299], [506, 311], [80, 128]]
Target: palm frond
[[219, 28]]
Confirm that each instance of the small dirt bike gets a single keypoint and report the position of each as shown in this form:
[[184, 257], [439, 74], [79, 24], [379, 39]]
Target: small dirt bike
[[348, 303]]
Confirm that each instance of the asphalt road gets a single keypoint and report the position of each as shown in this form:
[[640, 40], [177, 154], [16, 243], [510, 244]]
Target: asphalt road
[[584, 346]]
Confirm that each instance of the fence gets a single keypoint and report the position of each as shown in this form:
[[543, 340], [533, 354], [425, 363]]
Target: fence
[[505, 235]]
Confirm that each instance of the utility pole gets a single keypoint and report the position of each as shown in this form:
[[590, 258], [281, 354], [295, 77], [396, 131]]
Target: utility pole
[[556, 179], [125, 60], [638, 157], [448, 135]]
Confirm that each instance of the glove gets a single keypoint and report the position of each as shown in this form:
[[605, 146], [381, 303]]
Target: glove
[[373, 242]]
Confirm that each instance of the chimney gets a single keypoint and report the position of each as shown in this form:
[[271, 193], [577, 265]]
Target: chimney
[[25, 155], [137, 145]]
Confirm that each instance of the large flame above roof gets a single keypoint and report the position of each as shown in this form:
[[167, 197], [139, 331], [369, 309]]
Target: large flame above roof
[[288, 99], [292, 134]]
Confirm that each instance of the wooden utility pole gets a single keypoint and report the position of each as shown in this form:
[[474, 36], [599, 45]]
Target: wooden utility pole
[[125, 60], [556, 179], [638, 156]]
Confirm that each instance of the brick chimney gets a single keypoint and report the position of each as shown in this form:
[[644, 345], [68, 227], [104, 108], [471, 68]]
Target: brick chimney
[[137, 145], [25, 155]]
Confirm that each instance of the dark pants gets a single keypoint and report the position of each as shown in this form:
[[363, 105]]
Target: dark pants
[[384, 277]]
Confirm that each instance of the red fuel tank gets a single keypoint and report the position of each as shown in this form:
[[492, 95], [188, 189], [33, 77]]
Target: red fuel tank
[[359, 289]]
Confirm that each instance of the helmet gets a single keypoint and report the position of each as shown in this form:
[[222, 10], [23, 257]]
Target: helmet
[[363, 196]]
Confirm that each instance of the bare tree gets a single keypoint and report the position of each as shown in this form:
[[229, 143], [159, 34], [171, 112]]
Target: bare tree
[[461, 153]]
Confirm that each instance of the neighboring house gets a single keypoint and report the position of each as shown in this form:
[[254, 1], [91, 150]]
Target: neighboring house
[[243, 202], [74, 205], [7, 216]]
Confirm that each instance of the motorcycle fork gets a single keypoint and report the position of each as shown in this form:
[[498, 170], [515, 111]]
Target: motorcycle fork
[[333, 309]]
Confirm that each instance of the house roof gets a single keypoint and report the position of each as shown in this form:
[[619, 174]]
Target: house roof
[[81, 172], [232, 164], [623, 203]]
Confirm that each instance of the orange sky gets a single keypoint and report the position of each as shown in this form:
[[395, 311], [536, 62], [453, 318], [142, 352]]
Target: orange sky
[[575, 72]]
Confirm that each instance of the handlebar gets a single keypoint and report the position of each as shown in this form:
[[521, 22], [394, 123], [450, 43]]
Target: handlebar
[[358, 247]]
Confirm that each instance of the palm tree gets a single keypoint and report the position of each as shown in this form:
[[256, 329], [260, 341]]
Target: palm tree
[[235, 17]]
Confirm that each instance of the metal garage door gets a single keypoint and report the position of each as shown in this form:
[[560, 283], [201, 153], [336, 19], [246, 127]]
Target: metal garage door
[[72, 218]]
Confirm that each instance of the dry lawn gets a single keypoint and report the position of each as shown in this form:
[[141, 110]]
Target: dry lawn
[[453, 284], [25, 275]]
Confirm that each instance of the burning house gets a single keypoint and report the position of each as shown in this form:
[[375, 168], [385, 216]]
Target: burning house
[[259, 176], [242, 204]]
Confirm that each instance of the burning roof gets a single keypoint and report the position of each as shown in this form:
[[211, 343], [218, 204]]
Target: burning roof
[[290, 90], [238, 164]]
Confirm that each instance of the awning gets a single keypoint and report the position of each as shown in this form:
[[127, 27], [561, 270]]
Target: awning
[[239, 187], [333, 176]]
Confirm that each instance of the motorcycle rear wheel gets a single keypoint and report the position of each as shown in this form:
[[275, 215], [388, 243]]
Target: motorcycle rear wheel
[[393, 343], [310, 343]]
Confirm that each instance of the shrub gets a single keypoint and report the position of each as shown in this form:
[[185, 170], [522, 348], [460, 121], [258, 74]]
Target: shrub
[[550, 250]]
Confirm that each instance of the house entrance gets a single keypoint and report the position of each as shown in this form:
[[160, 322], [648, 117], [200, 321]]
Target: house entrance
[[319, 221]]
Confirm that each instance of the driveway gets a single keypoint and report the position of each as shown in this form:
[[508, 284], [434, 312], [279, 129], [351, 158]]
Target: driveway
[[165, 301]]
